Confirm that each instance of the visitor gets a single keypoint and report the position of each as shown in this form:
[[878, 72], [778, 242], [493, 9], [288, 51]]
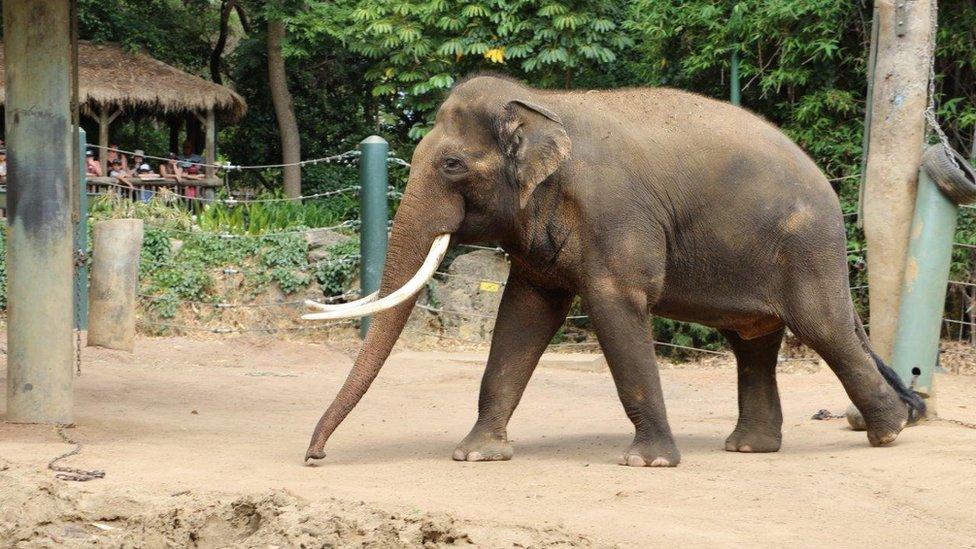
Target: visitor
[[3, 162], [171, 168], [144, 172], [92, 167], [190, 163], [114, 153], [189, 157], [138, 159], [116, 170]]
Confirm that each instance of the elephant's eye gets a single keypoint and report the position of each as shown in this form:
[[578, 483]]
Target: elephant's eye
[[453, 166]]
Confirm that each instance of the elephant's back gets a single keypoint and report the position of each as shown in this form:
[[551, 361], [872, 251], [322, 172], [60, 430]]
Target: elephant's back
[[689, 142]]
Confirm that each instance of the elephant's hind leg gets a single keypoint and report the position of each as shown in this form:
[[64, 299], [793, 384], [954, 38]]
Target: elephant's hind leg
[[759, 428], [829, 328]]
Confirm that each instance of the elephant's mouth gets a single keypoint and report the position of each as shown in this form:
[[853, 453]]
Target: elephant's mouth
[[373, 303]]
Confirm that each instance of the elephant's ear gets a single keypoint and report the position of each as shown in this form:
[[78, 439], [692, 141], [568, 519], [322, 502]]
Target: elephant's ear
[[535, 142]]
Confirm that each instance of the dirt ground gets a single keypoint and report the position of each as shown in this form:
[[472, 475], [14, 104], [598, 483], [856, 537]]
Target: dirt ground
[[202, 445]]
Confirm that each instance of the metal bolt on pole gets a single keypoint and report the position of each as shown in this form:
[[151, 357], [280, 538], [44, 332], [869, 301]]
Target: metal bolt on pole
[[373, 181], [40, 144]]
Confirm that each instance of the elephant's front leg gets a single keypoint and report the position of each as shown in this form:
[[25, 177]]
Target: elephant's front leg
[[528, 317], [623, 328]]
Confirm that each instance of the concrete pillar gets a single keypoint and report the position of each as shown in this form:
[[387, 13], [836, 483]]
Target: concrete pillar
[[897, 132], [114, 277], [37, 42]]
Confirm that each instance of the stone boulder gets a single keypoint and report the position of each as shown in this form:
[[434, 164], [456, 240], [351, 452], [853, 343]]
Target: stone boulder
[[468, 294], [319, 242]]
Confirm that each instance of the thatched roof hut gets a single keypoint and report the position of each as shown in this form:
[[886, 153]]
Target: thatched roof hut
[[112, 82], [110, 78]]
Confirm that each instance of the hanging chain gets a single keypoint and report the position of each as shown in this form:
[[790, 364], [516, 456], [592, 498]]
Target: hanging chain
[[71, 473], [930, 115], [80, 258], [77, 351]]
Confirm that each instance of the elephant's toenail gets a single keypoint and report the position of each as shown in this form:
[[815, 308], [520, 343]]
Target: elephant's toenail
[[475, 456], [635, 461], [745, 448], [660, 462]]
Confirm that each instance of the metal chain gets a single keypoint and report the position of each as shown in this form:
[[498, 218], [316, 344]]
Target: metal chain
[[71, 473], [930, 115], [79, 260], [960, 423], [826, 414], [77, 351]]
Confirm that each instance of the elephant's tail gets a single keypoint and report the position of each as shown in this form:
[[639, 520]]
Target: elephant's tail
[[915, 403]]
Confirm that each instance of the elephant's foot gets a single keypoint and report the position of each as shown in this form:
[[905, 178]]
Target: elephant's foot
[[885, 422], [651, 454], [753, 439], [481, 446]]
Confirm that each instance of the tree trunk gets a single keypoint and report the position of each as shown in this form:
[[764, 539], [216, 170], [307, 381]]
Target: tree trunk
[[897, 136], [226, 7], [291, 145]]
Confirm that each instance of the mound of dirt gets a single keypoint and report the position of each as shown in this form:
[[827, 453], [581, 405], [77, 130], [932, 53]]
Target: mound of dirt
[[38, 511]]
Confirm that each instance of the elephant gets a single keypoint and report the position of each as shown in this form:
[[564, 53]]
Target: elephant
[[641, 202]]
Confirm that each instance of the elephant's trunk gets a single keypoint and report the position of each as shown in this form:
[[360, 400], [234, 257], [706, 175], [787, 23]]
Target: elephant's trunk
[[410, 241]]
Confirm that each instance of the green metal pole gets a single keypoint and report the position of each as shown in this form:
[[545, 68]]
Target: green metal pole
[[735, 93], [40, 145], [373, 181], [81, 240], [916, 347], [735, 86]]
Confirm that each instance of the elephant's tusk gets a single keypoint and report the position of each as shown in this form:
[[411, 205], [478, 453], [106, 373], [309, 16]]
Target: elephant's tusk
[[342, 306], [437, 252]]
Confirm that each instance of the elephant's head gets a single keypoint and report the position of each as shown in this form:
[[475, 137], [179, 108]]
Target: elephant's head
[[493, 142]]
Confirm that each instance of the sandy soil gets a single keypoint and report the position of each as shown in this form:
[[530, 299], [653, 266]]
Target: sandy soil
[[202, 443]]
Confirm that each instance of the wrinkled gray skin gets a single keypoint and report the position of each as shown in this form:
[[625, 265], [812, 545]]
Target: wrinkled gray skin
[[641, 201]]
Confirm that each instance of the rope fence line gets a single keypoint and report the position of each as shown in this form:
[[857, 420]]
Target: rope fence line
[[227, 166], [392, 192], [347, 157]]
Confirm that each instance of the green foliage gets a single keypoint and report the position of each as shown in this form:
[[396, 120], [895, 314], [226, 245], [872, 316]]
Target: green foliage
[[802, 63], [336, 272], [421, 48], [184, 258], [261, 217], [685, 334]]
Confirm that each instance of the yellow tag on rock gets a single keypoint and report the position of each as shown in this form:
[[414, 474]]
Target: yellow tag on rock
[[487, 286]]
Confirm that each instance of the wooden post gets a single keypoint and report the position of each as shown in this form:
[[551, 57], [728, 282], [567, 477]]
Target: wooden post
[[210, 142], [40, 140], [897, 132], [114, 276], [103, 124], [105, 119]]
